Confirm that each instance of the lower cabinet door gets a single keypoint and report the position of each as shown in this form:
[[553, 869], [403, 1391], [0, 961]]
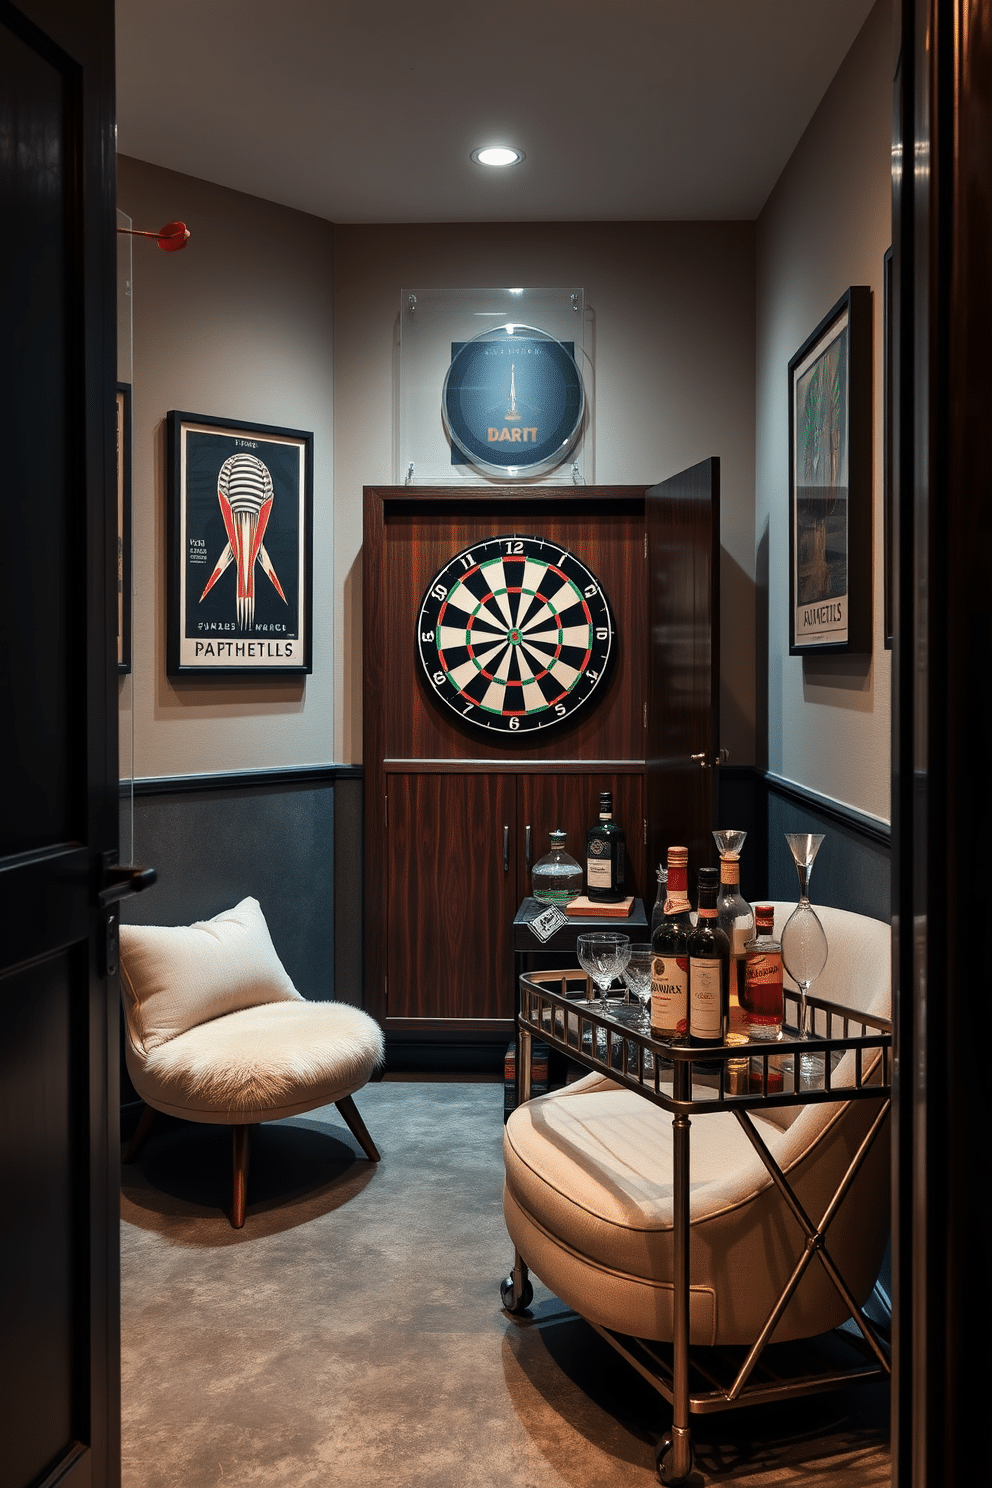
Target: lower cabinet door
[[451, 894]]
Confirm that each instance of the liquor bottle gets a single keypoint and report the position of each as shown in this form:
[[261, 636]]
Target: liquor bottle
[[557, 877], [669, 955], [709, 968], [605, 853], [763, 1000], [736, 919]]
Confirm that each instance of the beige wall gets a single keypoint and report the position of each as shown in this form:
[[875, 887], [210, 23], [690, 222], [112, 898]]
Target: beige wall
[[255, 315], [826, 226], [273, 315], [237, 325], [673, 347]]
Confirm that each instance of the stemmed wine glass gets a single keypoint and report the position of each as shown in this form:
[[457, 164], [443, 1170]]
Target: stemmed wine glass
[[604, 954], [804, 941], [637, 975]]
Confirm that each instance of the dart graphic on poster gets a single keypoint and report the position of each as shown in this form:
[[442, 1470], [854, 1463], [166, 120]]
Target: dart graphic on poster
[[240, 498]]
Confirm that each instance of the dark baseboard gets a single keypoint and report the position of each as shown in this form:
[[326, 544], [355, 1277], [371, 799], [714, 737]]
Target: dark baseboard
[[403, 1056]]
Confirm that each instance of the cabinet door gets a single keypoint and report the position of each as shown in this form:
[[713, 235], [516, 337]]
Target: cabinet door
[[683, 522], [571, 801], [451, 897]]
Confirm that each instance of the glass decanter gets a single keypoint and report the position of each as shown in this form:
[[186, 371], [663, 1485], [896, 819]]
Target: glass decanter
[[804, 941], [557, 877]]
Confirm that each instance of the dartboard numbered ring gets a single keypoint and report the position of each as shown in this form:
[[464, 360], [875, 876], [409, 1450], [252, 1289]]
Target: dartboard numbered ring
[[514, 634]]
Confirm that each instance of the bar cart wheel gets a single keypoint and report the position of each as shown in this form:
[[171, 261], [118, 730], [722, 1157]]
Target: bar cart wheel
[[513, 1301], [670, 1471]]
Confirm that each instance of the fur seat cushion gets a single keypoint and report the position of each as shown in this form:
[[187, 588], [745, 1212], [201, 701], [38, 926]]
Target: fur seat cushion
[[260, 1063]]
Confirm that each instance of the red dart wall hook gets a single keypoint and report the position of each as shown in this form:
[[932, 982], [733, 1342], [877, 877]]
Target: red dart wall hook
[[170, 238]]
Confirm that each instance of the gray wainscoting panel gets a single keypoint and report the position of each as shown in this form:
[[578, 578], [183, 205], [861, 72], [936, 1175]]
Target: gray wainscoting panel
[[213, 847], [852, 868], [349, 878]]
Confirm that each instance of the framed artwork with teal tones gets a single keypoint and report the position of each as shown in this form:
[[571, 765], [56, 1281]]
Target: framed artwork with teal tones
[[830, 483]]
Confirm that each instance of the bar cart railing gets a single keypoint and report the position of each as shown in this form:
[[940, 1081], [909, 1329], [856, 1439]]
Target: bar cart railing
[[848, 1059]]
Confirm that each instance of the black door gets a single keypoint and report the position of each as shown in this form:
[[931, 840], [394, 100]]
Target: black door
[[683, 525], [59, 1346]]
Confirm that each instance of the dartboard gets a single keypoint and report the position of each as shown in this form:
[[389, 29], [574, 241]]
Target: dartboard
[[515, 633]]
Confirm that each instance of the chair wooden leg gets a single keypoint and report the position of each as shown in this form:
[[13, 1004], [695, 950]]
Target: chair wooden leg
[[239, 1201], [358, 1128], [145, 1123]]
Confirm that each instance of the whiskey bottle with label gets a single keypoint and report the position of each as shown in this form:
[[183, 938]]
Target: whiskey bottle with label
[[709, 968], [763, 998], [669, 954], [605, 852]]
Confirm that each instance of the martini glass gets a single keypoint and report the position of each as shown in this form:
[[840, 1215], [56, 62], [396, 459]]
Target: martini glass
[[804, 941]]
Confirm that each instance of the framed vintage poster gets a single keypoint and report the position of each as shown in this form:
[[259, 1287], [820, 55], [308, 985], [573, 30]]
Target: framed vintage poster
[[240, 541], [830, 483], [888, 453], [123, 527]]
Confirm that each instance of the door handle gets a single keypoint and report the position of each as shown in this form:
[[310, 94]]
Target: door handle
[[506, 849], [703, 760], [121, 882]]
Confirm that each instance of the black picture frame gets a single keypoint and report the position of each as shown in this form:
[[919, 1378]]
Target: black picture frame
[[830, 483], [240, 548], [123, 460], [887, 452]]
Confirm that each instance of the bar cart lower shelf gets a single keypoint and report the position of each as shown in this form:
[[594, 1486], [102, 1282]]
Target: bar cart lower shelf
[[853, 1050]]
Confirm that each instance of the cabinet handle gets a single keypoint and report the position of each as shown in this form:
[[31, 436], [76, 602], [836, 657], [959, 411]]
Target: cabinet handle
[[506, 849], [527, 844]]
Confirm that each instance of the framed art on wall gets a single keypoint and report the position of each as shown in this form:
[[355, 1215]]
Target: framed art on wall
[[240, 542], [495, 385], [830, 482], [123, 451], [888, 455]]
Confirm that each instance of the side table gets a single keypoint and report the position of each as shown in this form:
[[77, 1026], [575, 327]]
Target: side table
[[532, 954]]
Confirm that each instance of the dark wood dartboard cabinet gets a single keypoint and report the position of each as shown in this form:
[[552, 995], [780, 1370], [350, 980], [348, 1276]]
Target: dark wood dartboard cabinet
[[456, 815]]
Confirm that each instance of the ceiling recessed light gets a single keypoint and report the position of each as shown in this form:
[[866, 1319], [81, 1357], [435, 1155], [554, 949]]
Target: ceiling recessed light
[[497, 155]]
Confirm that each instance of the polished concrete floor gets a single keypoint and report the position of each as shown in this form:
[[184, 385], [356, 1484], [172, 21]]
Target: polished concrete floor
[[351, 1334]]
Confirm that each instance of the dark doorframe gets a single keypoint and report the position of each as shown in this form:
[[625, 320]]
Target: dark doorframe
[[59, 1145], [942, 813]]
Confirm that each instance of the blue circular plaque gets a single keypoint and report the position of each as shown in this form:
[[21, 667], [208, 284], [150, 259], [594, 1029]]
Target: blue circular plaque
[[513, 401]]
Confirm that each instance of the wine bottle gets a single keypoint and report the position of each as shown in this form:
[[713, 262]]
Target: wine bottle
[[709, 968], [669, 955], [736, 919], [763, 999], [605, 853]]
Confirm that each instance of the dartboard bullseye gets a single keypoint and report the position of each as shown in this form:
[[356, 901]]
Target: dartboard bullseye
[[515, 634]]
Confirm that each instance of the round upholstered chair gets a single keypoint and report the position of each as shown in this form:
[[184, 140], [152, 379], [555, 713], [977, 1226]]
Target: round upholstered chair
[[588, 1195], [216, 1032]]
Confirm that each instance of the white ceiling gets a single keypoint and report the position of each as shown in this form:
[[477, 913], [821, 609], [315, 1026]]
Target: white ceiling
[[367, 110]]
